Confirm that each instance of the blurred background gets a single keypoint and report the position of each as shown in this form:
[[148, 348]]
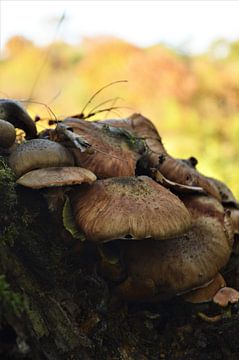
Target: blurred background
[[180, 60]]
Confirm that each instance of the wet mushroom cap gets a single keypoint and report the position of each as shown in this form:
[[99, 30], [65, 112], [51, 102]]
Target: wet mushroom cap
[[7, 134], [39, 153], [56, 176], [186, 262], [128, 208], [110, 155]]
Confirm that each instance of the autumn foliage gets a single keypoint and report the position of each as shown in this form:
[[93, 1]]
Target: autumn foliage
[[193, 100]]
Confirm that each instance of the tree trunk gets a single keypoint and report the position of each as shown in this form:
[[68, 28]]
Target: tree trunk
[[63, 309]]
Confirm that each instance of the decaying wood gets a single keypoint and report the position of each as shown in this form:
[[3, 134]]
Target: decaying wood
[[68, 310]]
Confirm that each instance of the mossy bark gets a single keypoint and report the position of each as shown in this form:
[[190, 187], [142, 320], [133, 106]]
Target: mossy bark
[[65, 310]]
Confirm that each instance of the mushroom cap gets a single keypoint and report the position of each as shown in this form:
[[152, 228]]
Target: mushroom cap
[[143, 128], [137, 124], [225, 296], [56, 176], [235, 219], [179, 171], [207, 292], [128, 207], [111, 154], [186, 262], [39, 153], [176, 170], [173, 186], [13, 112], [7, 134], [227, 196]]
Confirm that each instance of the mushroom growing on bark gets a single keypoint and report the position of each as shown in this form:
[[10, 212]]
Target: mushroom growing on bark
[[184, 263], [39, 153], [173, 169], [111, 153], [56, 176], [128, 208], [13, 112]]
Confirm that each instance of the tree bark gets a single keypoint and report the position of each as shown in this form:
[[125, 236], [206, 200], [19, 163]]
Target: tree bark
[[67, 311]]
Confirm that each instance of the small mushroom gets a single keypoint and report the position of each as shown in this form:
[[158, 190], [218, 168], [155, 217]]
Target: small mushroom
[[13, 112], [56, 176], [186, 262], [110, 154], [207, 292], [7, 134], [128, 208], [39, 153], [226, 296]]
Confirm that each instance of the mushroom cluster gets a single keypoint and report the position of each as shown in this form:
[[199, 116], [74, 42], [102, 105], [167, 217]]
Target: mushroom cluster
[[160, 228]]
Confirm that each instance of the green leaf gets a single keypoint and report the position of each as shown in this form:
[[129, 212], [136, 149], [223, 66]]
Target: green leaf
[[69, 221]]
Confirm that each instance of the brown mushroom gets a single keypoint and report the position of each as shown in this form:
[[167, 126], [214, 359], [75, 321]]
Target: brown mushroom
[[128, 208], [227, 197], [39, 153], [56, 176], [173, 169], [179, 171], [226, 296], [111, 153], [186, 262], [235, 219], [13, 112], [7, 134], [206, 292]]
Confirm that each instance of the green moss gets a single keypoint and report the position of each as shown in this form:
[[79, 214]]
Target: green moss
[[10, 300], [8, 198]]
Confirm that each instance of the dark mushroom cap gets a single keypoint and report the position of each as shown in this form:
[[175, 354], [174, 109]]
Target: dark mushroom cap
[[128, 207], [39, 153], [13, 112], [186, 262], [227, 197], [111, 154], [56, 176], [7, 134]]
